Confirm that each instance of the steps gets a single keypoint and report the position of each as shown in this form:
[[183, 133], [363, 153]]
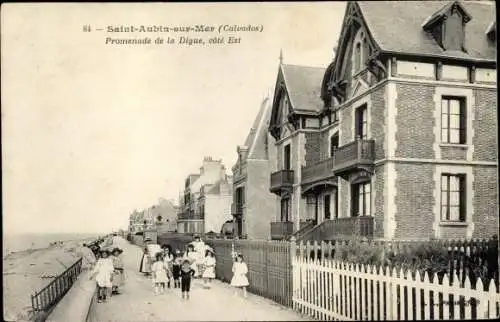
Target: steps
[[309, 226]]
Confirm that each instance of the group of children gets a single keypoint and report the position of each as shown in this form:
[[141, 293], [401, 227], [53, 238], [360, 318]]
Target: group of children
[[182, 268], [108, 273], [178, 268]]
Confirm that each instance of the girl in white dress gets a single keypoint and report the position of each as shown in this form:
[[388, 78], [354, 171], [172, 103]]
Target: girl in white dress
[[240, 270], [161, 274], [103, 272], [168, 258], [192, 257], [209, 271]]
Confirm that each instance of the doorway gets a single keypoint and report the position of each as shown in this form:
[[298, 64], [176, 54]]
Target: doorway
[[326, 202]]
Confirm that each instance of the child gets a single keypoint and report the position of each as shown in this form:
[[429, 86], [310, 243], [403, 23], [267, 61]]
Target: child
[[240, 269], [161, 274], [192, 256], [103, 272], [176, 268], [145, 266], [168, 258], [209, 271], [187, 272], [118, 274]]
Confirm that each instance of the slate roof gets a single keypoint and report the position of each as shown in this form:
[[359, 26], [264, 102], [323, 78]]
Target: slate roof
[[253, 130], [257, 150], [396, 26], [303, 84]]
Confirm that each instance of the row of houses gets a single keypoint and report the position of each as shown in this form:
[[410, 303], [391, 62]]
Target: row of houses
[[161, 217], [396, 139], [205, 203]]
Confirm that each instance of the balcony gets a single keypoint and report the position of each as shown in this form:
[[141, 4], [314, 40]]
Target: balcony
[[281, 180], [355, 156], [239, 172], [321, 172], [281, 230], [237, 209], [189, 216], [342, 228]]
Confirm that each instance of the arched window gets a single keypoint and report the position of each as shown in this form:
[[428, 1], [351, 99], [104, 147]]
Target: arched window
[[357, 57], [361, 52]]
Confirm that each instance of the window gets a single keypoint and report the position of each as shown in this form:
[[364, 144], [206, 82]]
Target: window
[[327, 206], [453, 120], [366, 51], [361, 122], [334, 144], [361, 199], [453, 30], [287, 162], [357, 57], [285, 209], [453, 197]]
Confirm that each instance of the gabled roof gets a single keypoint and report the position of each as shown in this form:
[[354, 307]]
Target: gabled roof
[[253, 130], [443, 11], [258, 148], [303, 85], [396, 26]]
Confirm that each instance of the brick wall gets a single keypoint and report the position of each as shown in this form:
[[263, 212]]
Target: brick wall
[[344, 198], [414, 201], [313, 148], [379, 201], [485, 124], [346, 134], [378, 121], [260, 208], [485, 202], [415, 119], [324, 145], [453, 153]]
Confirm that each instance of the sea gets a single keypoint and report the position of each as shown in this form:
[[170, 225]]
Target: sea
[[20, 242]]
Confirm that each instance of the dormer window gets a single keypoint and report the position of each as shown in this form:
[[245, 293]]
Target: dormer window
[[361, 52], [447, 26]]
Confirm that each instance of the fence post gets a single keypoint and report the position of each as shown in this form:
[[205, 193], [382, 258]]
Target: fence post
[[292, 253]]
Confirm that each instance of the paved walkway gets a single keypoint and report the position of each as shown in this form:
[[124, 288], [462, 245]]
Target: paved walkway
[[138, 303]]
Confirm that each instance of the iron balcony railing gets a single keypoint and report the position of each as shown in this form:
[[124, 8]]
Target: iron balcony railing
[[55, 290], [239, 172], [190, 216], [319, 171], [361, 226], [359, 152], [281, 179], [281, 230]]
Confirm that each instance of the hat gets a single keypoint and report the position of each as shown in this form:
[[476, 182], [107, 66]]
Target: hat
[[177, 251], [116, 249], [147, 239], [196, 236]]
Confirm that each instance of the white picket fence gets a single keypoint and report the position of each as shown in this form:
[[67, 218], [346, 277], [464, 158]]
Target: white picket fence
[[332, 290]]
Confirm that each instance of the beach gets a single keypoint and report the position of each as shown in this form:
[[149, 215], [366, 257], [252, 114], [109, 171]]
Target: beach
[[28, 271]]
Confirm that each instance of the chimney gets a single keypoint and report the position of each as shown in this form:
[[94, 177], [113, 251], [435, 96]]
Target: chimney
[[242, 151]]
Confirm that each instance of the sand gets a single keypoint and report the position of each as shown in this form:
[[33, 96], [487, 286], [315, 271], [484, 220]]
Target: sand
[[29, 271]]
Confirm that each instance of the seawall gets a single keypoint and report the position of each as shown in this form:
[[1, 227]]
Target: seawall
[[77, 304]]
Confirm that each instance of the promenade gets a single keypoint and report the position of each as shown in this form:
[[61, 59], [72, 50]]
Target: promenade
[[138, 303]]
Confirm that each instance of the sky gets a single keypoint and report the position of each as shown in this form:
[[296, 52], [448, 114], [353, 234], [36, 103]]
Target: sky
[[91, 131]]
